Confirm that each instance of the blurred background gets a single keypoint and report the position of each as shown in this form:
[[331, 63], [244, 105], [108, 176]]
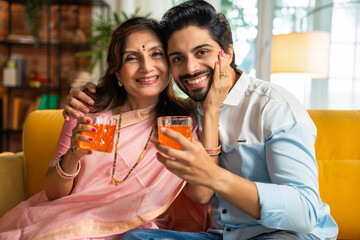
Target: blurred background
[[310, 47]]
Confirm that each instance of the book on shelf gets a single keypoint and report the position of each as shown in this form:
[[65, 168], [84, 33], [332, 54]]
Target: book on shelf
[[17, 106], [15, 113], [5, 107], [48, 101]]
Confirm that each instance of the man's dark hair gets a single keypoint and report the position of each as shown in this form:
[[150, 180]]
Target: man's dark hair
[[200, 14]]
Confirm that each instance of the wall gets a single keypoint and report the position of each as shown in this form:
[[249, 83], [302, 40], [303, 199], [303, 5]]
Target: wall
[[73, 18]]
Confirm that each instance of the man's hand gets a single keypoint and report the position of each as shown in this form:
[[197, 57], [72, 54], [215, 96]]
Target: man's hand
[[192, 163], [76, 99]]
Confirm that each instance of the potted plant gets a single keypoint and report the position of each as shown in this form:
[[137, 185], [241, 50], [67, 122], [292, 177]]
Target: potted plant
[[101, 30], [33, 10]]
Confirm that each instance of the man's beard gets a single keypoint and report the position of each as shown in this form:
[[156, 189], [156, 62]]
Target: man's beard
[[199, 94]]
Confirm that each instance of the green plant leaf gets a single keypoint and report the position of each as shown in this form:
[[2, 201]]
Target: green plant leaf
[[117, 19], [101, 30]]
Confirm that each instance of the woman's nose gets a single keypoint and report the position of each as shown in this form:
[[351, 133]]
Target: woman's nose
[[147, 64]]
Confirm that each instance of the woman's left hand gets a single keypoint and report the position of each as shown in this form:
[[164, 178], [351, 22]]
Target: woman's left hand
[[222, 82]]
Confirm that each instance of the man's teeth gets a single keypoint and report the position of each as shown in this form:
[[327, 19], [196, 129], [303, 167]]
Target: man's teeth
[[148, 79], [198, 80]]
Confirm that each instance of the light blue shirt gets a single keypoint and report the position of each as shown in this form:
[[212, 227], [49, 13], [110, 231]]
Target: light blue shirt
[[268, 137]]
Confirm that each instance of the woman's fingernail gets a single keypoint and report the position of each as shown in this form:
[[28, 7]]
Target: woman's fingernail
[[89, 152], [85, 110], [222, 53], [91, 139], [88, 121], [91, 102], [93, 129], [217, 62]]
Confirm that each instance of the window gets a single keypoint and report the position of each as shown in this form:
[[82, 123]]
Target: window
[[344, 75], [243, 19], [342, 19]]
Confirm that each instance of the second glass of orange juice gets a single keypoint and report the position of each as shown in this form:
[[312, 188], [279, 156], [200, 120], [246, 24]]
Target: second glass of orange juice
[[181, 124]]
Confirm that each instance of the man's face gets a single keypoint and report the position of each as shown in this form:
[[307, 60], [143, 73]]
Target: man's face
[[192, 54]]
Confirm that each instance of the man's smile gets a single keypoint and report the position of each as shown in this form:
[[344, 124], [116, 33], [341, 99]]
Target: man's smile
[[197, 80]]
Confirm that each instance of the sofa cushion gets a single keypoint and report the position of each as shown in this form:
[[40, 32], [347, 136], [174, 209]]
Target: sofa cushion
[[12, 181], [337, 149], [40, 136]]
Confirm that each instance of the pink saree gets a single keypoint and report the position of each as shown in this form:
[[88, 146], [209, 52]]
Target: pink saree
[[151, 197]]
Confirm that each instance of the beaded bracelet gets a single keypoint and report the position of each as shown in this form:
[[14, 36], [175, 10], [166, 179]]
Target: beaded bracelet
[[213, 151], [64, 174]]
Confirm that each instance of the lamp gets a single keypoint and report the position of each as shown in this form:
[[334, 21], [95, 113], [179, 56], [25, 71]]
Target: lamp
[[305, 56], [305, 53]]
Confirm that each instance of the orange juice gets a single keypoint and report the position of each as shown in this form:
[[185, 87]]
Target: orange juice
[[184, 130], [103, 138]]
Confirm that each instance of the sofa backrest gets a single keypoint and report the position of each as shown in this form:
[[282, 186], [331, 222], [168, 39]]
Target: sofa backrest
[[40, 136], [337, 149]]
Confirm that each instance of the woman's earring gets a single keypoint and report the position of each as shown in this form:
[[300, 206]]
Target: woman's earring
[[118, 78]]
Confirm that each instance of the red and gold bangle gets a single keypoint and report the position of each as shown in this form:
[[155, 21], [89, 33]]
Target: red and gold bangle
[[213, 151], [62, 173]]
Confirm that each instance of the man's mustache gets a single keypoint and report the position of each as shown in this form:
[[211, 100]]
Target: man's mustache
[[182, 77]]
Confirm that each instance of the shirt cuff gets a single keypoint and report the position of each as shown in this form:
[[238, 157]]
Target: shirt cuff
[[272, 203]]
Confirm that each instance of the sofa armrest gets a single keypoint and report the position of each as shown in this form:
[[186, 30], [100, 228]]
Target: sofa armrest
[[12, 187]]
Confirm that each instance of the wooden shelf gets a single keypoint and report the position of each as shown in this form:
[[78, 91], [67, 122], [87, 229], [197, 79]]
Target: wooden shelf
[[70, 2], [56, 43], [55, 60]]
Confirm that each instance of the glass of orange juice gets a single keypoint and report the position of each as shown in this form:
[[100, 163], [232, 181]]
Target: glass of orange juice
[[181, 124], [103, 137]]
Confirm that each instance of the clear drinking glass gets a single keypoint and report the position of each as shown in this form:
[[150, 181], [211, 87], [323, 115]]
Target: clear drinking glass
[[103, 137], [181, 124]]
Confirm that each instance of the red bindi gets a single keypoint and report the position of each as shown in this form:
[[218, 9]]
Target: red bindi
[[143, 47]]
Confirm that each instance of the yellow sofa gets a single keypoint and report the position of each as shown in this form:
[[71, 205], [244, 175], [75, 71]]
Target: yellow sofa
[[337, 151], [22, 174]]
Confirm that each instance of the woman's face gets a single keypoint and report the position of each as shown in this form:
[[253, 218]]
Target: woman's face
[[145, 71]]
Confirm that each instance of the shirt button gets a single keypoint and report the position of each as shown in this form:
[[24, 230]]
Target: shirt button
[[224, 211], [228, 229]]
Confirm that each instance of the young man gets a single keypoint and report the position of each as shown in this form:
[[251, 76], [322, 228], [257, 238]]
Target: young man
[[265, 185]]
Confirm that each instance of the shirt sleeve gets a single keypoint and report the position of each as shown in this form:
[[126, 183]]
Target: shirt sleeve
[[64, 140], [291, 200]]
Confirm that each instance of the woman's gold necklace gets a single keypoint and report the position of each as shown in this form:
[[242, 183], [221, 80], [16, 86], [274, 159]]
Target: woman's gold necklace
[[113, 179]]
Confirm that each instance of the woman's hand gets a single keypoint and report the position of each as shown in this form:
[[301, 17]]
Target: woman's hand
[[76, 99], [55, 185], [81, 133], [222, 82]]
